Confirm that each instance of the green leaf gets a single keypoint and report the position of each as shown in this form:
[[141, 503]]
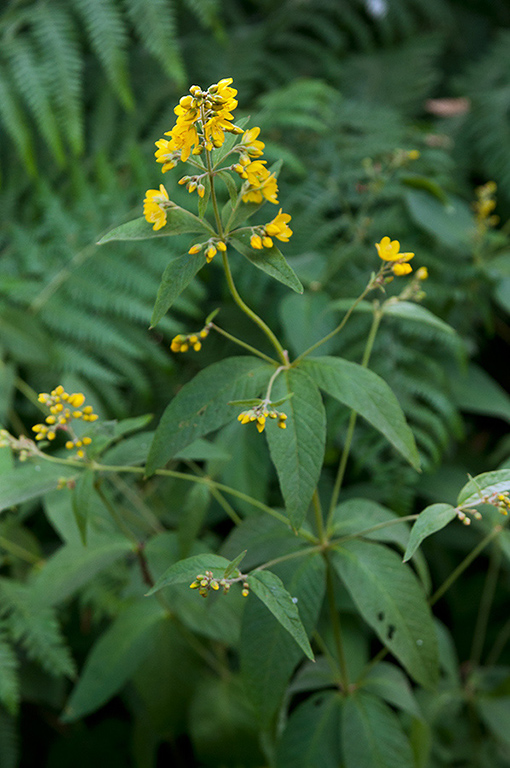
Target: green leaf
[[114, 658], [269, 588], [235, 213], [312, 734], [233, 565], [201, 406], [372, 736], [487, 484], [356, 515], [186, 571], [82, 497], [367, 394], [495, 712], [429, 185], [451, 223], [408, 310], [475, 391], [269, 260], [73, 566], [298, 451], [176, 277], [231, 186], [268, 653], [431, 520], [178, 222], [307, 319], [30, 481], [391, 684], [392, 602]]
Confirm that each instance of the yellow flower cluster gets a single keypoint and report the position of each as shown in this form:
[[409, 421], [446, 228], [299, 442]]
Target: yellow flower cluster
[[204, 582], [203, 117], [389, 250], [259, 184], [485, 204], [155, 206], [259, 414], [181, 342], [212, 247], [278, 227], [64, 407]]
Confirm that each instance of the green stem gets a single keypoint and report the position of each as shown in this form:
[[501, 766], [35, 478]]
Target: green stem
[[241, 343], [230, 281], [181, 476], [499, 644], [17, 551], [218, 496], [464, 564], [486, 600], [290, 556], [339, 327], [251, 314], [352, 419], [335, 624]]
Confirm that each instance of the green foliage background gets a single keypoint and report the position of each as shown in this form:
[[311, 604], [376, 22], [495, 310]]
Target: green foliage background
[[86, 87]]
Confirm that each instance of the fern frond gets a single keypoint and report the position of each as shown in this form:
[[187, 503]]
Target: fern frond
[[108, 37], [155, 23], [9, 683], [13, 119], [35, 628], [62, 63], [27, 73], [206, 11]]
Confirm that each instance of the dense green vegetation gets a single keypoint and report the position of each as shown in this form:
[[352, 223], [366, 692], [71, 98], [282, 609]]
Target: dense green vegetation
[[342, 92]]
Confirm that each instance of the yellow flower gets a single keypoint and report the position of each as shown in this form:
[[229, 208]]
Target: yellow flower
[[250, 144], [184, 136], [210, 253], [165, 154], [256, 242], [255, 172], [401, 269], [279, 228], [422, 273], [388, 250], [155, 205]]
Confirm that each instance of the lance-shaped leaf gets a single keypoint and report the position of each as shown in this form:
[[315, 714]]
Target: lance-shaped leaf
[[267, 651], [201, 406], [312, 734], [30, 481], [269, 588], [187, 570], [431, 520], [391, 600], [269, 260], [484, 485], [114, 658], [372, 736], [176, 277], [82, 499], [367, 394], [297, 451], [178, 222]]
